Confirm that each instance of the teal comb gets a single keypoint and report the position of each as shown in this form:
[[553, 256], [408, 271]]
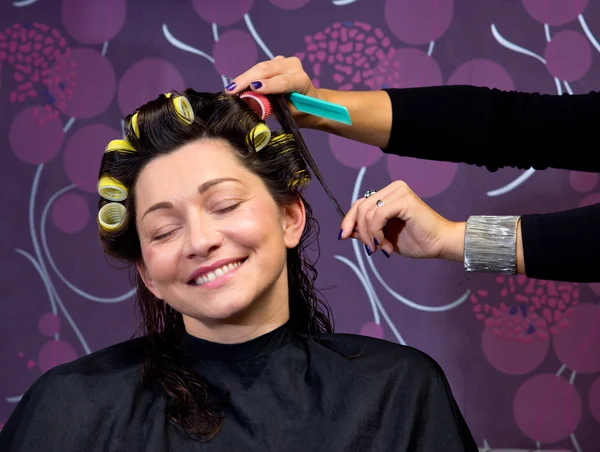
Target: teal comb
[[318, 107]]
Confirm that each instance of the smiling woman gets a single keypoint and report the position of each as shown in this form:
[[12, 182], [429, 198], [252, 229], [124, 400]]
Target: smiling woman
[[238, 351]]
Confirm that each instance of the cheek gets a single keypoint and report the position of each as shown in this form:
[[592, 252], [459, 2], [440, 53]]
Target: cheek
[[161, 261], [257, 226]]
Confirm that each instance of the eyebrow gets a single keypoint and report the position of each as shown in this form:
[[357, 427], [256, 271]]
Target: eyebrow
[[201, 190]]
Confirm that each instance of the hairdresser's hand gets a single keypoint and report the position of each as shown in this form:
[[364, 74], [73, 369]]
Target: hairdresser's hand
[[405, 224], [277, 76]]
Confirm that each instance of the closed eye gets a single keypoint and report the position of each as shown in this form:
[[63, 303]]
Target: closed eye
[[228, 209], [163, 236]]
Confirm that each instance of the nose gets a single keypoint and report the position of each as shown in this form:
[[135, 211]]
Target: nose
[[201, 237]]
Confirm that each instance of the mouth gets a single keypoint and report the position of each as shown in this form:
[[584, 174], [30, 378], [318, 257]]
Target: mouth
[[218, 275]]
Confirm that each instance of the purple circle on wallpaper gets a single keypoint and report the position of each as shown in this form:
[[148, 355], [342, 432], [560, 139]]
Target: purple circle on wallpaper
[[547, 408], [70, 213], [372, 329], [289, 4], [33, 142], [425, 177], [593, 198], [554, 12], [594, 399], [136, 87], [49, 324], [235, 52], [512, 357], [222, 12], [419, 22], [91, 21], [405, 68], [578, 345], [95, 86], [568, 55], [352, 153], [482, 72], [83, 155], [583, 182], [54, 353]]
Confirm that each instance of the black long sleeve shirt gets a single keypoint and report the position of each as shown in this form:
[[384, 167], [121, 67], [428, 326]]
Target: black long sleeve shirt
[[495, 129]]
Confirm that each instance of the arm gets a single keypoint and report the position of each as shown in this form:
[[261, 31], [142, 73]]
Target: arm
[[491, 128], [560, 246], [474, 125]]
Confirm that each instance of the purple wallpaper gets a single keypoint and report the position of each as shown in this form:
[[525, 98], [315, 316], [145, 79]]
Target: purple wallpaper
[[522, 355]]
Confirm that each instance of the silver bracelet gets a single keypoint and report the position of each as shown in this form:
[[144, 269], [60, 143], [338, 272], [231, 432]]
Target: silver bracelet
[[491, 244]]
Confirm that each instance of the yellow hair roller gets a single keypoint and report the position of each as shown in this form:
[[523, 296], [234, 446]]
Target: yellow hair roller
[[111, 216], [111, 189], [184, 109], [167, 95], [283, 137], [298, 179], [119, 145], [260, 135], [134, 125]]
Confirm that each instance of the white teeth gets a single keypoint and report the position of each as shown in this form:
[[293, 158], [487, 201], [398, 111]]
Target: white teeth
[[208, 277]]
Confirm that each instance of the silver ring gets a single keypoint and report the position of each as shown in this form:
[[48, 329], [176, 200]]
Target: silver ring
[[379, 203], [368, 193]]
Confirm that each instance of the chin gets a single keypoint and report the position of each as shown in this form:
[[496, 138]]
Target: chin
[[223, 309]]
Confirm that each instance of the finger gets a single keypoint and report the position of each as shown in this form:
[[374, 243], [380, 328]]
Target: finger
[[377, 230], [365, 213], [262, 72], [361, 225], [386, 247], [349, 222], [398, 205]]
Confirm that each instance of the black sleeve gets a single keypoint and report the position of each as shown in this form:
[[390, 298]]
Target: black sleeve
[[563, 246], [493, 128]]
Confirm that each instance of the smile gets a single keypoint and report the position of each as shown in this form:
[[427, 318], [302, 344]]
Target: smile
[[217, 274]]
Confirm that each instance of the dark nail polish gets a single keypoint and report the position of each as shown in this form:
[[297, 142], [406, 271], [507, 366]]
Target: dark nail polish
[[385, 253], [256, 85], [375, 242], [231, 86], [340, 234], [368, 250]]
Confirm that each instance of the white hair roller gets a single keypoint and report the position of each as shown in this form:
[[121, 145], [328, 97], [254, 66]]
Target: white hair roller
[[111, 216], [260, 135], [111, 189], [184, 109]]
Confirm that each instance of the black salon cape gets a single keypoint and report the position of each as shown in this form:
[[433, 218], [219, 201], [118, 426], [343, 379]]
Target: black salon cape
[[496, 129], [288, 394]]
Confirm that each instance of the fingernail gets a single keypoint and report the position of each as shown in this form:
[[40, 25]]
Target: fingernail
[[385, 253], [375, 242], [341, 234], [368, 250], [256, 85], [231, 86]]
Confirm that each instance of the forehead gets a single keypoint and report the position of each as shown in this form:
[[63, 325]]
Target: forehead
[[196, 158], [180, 172]]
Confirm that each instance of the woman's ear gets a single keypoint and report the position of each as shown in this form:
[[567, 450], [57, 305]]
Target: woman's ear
[[143, 271], [293, 222]]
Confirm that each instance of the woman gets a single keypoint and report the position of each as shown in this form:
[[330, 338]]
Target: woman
[[239, 351], [491, 128]]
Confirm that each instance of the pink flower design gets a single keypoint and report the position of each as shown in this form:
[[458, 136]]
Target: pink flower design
[[351, 49], [525, 309], [42, 66]]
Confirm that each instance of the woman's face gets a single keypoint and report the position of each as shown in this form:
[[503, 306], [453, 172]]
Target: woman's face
[[214, 240]]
